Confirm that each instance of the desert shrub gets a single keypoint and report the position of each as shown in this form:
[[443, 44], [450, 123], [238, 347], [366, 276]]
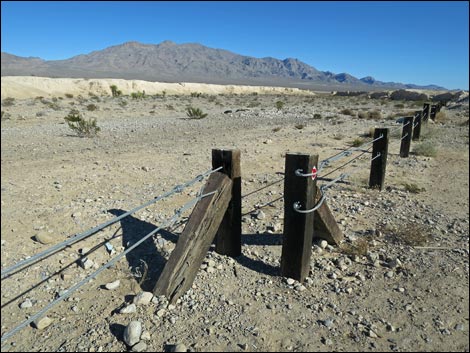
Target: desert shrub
[[357, 142], [378, 95], [441, 117], [317, 116], [404, 95], [426, 149], [277, 128], [138, 95], [8, 102], [375, 114], [279, 105], [413, 188], [211, 98], [411, 234], [347, 112], [69, 95], [82, 127], [369, 133], [114, 91], [359, 248], [362, 115], [170, 107], [195, 113], [196, 94], [122, 103], [91, 107], [299, 126]]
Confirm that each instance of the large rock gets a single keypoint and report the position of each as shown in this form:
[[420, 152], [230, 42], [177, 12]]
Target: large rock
[[132, 333]]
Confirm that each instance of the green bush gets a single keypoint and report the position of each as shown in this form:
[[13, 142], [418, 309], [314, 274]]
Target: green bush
[[82, 127], [138, 95], [195, 113], [425, 149], [91, 107], [114, 91], [347, 112], [279, 105], [357, 142], [8, 102], [196, 94]]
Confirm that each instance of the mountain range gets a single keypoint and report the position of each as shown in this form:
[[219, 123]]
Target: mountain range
[[192, 62]]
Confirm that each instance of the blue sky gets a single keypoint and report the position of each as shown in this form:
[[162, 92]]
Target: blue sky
[[409, 42]]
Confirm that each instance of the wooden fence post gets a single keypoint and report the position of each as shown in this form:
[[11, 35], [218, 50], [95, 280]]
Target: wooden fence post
[[433, 112], [417, 125], [192, 246], [406, 136], [298, 227], [426, 111], [228, 239], [379, 159]]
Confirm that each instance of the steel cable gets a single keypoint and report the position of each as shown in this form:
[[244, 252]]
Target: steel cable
[[68, 292], [78, 237]]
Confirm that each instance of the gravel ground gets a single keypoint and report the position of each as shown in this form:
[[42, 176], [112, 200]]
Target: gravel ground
[[399, 282]]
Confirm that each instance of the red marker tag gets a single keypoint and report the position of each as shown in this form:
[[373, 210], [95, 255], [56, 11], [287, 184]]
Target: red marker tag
[[314, 173]]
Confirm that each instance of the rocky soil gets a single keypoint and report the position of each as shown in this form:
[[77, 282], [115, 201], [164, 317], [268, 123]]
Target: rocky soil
[[400, 281]]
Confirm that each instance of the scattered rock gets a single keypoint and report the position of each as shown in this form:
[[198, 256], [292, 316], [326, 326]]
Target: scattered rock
[[44, 238], [42, 323], [132, 333], [179, 348], [139, 347], [290, 281], [321, 243], [26, 304], [131, 308], [86, 263], [145, 336], [113, 285], [143, 298]]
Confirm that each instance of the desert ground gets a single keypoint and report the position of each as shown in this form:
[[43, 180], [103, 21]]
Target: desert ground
[[399, 282]]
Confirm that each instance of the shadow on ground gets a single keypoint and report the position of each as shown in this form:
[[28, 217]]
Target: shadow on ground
[[133, 230]]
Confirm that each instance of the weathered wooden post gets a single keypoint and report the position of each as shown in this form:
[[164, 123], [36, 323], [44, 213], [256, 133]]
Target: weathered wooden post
[[433, 112], [228, 239], [426, 111], [194, 243], [406, 136], [298, 227], [417, 125], [379, 158]]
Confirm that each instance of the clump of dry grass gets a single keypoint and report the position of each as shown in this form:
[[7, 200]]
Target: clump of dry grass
[[413, 188], [347, 112], [426, 149], [411, 234], [359, 248], [357, 142], [441, 117]]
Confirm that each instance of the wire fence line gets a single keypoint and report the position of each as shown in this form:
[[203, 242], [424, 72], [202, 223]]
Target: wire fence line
[[169, 222], [35, 258]]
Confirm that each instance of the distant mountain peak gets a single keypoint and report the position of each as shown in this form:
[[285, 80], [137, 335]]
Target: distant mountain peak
[[368, 79], [167, 43]]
